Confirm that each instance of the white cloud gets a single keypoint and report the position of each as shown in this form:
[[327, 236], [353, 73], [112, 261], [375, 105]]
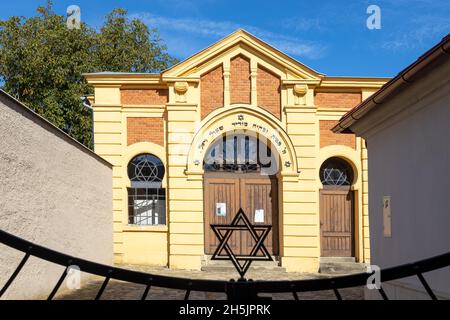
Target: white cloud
[[420, 30], [219, 29], [301, 24]]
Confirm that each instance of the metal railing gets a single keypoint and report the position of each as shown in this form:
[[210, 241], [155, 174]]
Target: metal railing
[[235, 290]]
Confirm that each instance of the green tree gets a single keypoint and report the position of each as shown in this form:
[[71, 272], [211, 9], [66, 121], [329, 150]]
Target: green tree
[[42, 61], [130, 46]]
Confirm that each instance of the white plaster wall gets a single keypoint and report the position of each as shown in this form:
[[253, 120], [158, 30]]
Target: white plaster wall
[[409, 160], [53, 192]]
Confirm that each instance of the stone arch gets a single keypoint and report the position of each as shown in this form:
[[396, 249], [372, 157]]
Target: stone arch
[[241, 117]]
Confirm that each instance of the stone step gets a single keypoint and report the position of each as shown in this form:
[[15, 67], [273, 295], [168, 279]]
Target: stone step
[[225, 265], [229, 263], [337, 259], [231, 268], [342, 267]]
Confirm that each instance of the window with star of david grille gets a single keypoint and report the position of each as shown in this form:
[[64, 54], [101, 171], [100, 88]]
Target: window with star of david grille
[[240, 153], [336, 172], [146, 196]]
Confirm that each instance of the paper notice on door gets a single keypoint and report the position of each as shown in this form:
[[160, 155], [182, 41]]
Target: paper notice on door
[[259, 216], [221, 209]]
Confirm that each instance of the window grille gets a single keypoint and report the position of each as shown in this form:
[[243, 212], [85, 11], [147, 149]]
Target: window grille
[[147, 206], [336, 172], [243, 153]]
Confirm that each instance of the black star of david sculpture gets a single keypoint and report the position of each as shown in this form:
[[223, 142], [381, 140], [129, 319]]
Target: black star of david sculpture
[[241, 223]]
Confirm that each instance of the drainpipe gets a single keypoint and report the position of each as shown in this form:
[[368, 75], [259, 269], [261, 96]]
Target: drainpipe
[[88, 106]]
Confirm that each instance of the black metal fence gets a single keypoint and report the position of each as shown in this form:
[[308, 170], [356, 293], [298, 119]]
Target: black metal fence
[[235, 290]]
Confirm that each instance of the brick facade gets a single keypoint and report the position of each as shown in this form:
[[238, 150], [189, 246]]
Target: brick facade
[[211, 91], [337, 99], [268, 88], [328, 138], [302, 140], [145, 96], [240, 82], [145, 130]]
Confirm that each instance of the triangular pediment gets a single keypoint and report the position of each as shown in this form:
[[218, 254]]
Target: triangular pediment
[[242, 43]]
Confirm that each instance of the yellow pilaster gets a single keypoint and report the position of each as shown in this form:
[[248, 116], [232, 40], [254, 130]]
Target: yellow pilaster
[[300, 205], [366, 93], [185, 197], [108, 140]]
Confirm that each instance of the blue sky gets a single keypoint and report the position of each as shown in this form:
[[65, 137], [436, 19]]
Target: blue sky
[[329, 36]]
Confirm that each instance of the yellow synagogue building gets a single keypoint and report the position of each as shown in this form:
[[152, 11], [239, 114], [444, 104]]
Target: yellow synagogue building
[[237, 125]]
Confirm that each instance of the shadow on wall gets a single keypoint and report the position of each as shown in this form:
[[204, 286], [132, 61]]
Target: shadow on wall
[[54, 192]]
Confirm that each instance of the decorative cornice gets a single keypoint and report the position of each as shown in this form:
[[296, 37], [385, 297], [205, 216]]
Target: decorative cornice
[[122, 79], [107, 105], [337, 110], [107, 85], [243, 39], [142, 106], [142, 86], [349, 82], [181, 107], [291, 82], [184, 79], [299, 109]]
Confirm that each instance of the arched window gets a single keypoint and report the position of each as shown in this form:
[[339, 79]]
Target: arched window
[[239, 153], [146, 197], [336, 172], [146, 170]]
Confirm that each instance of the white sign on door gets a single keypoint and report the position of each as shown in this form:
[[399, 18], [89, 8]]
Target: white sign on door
[[221, 209], [259, 215]]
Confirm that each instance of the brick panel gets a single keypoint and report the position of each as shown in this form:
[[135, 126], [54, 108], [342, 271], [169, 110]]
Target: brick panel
[[268, 88], [145, 96], [240, 82], [145, 130], [337, 100], [211, 91], [328, 138]]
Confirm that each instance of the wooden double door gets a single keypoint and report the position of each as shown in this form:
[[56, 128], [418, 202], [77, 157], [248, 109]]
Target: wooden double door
[[257, 195], [337, 222]]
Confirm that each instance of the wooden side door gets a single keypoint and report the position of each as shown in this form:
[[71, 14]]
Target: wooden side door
[[220, 191], [337, 223], [259, 196]]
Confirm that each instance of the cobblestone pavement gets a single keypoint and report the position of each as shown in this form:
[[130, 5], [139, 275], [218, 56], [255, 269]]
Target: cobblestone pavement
[[118, 290]]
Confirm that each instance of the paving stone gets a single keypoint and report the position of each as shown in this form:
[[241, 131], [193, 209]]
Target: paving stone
[[118, 290]]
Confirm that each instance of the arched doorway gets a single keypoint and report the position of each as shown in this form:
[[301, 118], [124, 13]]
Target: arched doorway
[[241, 172], [337, 213]]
